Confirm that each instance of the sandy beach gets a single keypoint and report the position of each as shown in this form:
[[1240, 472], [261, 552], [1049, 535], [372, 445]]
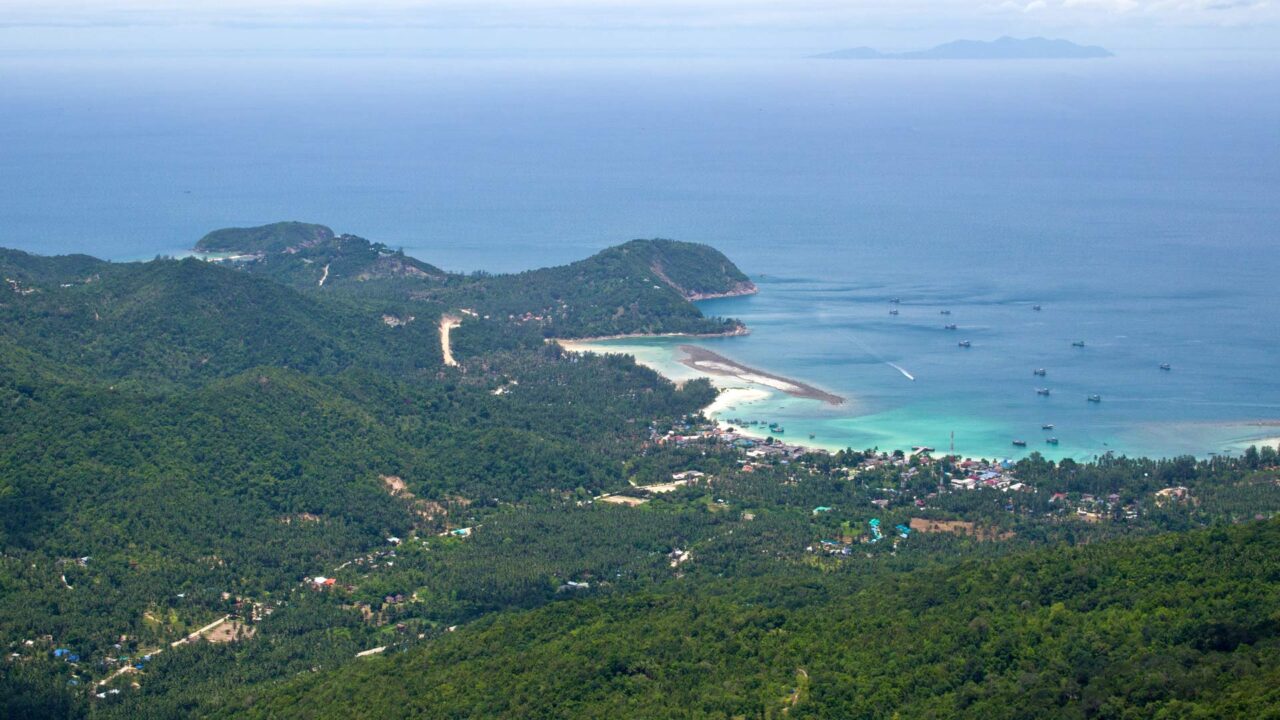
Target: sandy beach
[[731, 397], [738, 384], [568, 343], [711, 363]]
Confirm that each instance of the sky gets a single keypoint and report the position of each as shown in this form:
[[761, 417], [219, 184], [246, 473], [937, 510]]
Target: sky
[[712, 27]]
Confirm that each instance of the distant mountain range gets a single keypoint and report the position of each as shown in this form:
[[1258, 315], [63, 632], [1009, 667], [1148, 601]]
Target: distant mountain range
[[1005, 48]]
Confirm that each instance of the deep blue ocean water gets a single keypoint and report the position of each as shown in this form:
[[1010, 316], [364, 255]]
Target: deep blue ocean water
[[1136, 199]]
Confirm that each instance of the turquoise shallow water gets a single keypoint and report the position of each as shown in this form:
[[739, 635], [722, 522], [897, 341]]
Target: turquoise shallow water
[[1219, 388], [1135, 199], [1217, 397]]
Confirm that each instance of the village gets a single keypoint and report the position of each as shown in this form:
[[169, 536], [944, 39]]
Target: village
[[900, 471]]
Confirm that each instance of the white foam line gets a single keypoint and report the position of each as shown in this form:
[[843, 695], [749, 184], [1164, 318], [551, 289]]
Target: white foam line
[[902, 370]]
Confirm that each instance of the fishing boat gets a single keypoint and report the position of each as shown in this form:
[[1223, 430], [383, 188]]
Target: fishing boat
[[1047, 426], [965, 344], [1020, 443], [1078, 343], [1166, 366], [893, 312], [949, 327], [1051, 441], [1036, 308], [946, 312], [1038, 371], [1095, 398], [1042, 391]]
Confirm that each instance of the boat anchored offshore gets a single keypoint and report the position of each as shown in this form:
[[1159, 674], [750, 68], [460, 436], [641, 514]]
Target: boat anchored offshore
[[1042, 391], [895, 301], [965, 344], [1078, 343], [949, 327], [893, 312], [1047, 426], [1051, 441], [1166, 366], [1036, 308], [1020, 443], [1095, 398], [946, 312], [1039, 372]]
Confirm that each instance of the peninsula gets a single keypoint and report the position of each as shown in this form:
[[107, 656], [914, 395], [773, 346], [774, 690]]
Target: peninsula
[[711, 363], [641, 287]]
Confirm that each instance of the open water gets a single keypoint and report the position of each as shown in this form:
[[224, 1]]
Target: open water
[[1136, 199]]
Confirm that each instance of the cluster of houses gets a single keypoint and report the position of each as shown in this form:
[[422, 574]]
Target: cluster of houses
[[18, 288], [982, 475], [117, 664], [1176, 494], [253, 609], [831, 547], [529, 317], [1094, 508], [688, 433]]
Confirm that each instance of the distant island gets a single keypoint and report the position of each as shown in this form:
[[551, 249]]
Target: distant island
[[1005, 48]]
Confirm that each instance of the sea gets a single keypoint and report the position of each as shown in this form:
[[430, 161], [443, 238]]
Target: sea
[[1135, 200]]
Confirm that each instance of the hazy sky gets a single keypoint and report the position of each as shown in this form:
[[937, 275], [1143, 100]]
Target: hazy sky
[[624, 25]]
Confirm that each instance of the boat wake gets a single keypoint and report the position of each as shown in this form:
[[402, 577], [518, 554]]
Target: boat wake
[[880, 358], [902, 370]]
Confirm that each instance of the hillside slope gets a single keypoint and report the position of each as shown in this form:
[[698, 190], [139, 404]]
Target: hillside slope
[[1175, 626], [188, 321], [639, 287], [274, 238]]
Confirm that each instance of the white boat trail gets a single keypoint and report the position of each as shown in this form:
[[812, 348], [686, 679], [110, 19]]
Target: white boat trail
[[902, 370], [880, 358]]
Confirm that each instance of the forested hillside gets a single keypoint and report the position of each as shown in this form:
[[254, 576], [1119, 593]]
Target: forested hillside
[[643, 286], [250, 483], [187, 321], [1175, 626], [181, 437], [274, 238]]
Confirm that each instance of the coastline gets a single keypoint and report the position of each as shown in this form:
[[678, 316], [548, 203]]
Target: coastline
[[744, 386], [756, 393], [742, 289], [709, 364]]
